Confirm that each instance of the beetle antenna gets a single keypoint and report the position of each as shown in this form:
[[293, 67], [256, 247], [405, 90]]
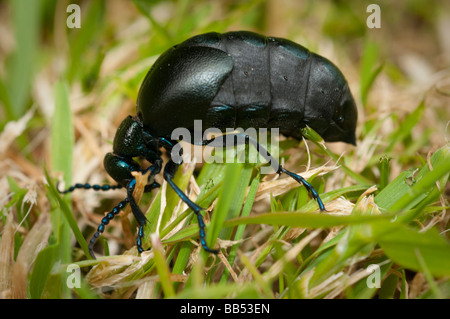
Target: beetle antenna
[[96, 187]]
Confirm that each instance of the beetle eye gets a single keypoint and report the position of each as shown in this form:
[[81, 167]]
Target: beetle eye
[[338, 118]]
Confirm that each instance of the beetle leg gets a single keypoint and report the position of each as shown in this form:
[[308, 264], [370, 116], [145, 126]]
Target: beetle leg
[[241, 138], [140, 217], [307, 185], [137, 213], [169, 172], [154, 170], [120, 168], [105, 221]]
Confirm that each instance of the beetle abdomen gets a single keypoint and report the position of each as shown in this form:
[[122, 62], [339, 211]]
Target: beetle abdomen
[[268, 83], [249, 79]]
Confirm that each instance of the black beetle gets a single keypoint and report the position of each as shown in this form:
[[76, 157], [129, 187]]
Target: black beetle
[[236, 79]]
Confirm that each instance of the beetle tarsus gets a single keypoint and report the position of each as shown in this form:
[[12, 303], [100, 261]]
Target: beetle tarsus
[[308, 187], [139, 239]]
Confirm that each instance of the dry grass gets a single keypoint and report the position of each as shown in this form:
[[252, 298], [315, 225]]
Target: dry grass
[[273, 261]]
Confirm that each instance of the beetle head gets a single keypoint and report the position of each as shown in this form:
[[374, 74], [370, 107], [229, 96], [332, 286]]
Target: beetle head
[[330, 109]]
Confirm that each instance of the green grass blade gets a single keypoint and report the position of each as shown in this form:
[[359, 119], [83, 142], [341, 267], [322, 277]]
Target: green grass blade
[[163, 271], [368, 71], [81, 38], [64, 207], [240, 192], [361, 290], [393, 191], [225, 201], [388, 287], [428, 275], [21, 66], [62, 141], [263, 284], [311, 135], [406, 127], [401, 244], [241, 228], [311, 205], [41, 271], [307, 220], [384, 171], [62, 133], [401, 195]]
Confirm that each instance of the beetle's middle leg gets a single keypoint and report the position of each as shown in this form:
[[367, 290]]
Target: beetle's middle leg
[[169, 172], [235, 139]]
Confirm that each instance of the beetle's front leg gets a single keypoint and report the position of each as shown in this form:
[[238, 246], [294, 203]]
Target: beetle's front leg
[[120, 168]]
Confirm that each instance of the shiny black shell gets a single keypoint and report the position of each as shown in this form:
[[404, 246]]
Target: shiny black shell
[[243, 79]]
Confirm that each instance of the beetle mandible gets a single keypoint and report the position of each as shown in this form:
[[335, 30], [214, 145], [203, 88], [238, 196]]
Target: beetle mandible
[[236, 79]]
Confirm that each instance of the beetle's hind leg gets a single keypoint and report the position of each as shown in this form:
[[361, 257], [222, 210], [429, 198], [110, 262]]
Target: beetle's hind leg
[[169, 172], [235, 139], [307, 185]]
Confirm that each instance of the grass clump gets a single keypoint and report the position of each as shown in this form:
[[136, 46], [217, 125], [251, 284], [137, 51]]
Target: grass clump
[[63, 93]]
